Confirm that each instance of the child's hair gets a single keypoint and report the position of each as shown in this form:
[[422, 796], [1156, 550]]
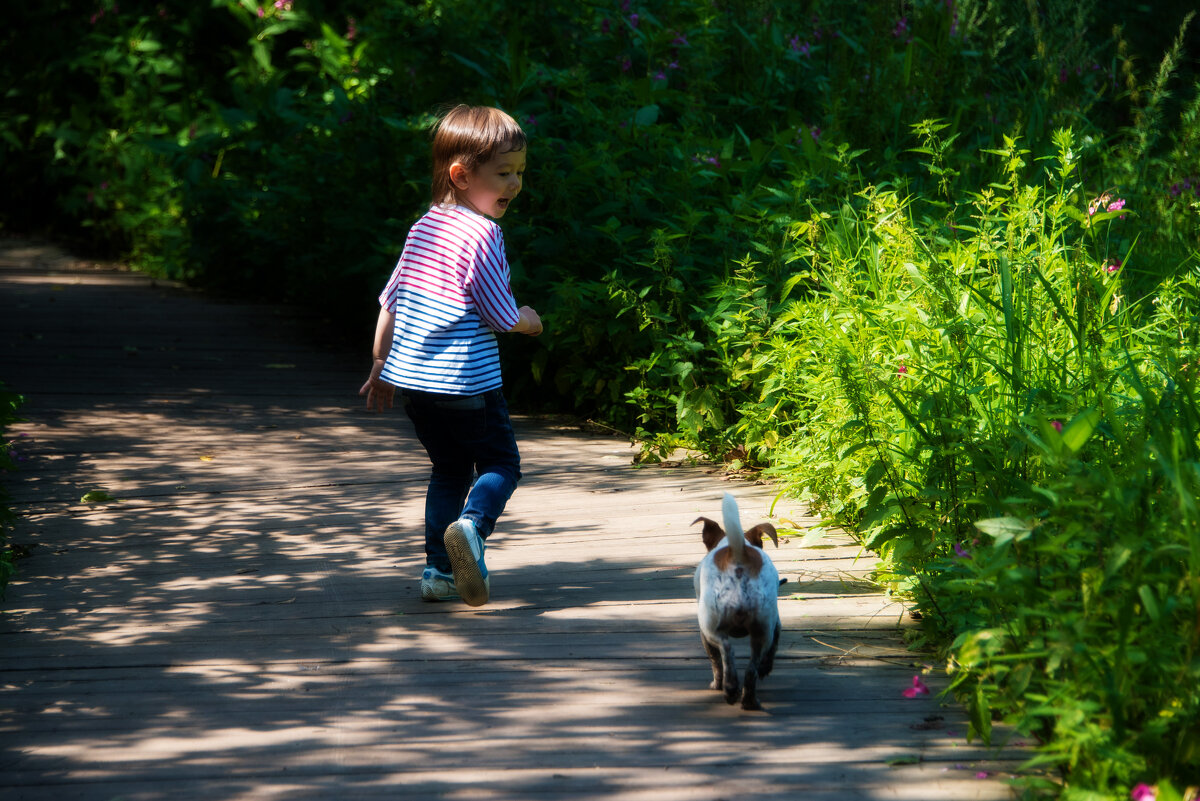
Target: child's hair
[[471, 135]]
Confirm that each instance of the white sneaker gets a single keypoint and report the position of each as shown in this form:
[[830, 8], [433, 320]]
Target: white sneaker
[[437, 586], [465, 549]]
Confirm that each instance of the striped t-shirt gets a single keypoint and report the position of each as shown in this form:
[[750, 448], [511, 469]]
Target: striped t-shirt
[[449, 292]]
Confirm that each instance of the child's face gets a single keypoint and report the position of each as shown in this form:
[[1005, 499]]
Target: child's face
[[492, 185]]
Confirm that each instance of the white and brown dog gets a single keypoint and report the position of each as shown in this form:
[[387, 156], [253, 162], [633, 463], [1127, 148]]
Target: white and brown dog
[[737, 588]]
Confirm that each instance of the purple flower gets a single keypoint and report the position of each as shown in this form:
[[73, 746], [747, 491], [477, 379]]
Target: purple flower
[[633, 20], [660, 76], [604, 25], [680, 40], [917, 689], [1143, 792], [1057, 425], [531, 121], [961, 552], [626, 64], [901, 27], [1113, 267]]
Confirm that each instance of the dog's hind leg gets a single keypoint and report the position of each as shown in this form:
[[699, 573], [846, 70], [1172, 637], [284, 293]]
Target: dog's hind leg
[[768, 660], [761, 653], [714, 656], [729, 672]]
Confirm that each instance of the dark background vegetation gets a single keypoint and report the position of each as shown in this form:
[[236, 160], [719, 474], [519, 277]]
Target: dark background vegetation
[[932, 264]]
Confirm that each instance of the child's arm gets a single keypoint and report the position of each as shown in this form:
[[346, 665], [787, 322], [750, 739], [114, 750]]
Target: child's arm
[[529, 323], [380, 394]]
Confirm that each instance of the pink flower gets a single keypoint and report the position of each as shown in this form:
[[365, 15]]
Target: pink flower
[[1057, 425], [902, 369], [1117, 204], [983, 774], [1113, 267], [1143, 792], [917, 689]]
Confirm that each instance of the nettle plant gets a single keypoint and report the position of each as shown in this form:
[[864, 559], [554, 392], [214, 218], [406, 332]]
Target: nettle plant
[[1014, 433]]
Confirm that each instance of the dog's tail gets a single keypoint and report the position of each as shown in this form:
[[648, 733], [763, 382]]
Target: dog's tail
[[733, 527]]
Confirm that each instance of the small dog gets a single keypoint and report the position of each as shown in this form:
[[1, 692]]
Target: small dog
[[737, 588]]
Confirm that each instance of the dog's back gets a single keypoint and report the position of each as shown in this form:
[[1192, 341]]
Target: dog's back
[[737, 588], [735, 583]]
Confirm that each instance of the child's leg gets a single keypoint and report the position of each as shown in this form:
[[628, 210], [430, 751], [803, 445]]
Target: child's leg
[[498, 464], [439, 420]]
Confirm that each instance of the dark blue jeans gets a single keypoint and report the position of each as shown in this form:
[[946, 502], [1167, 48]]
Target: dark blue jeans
[[476, 465]]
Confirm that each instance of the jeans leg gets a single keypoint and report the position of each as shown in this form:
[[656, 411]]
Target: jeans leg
[[443, 505], [498, 465], [464, 436]]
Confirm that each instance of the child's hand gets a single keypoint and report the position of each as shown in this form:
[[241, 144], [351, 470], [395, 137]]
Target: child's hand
[[530, 323], [380, 394]]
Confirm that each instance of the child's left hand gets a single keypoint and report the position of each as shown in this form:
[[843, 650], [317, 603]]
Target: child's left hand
[[380, 394]]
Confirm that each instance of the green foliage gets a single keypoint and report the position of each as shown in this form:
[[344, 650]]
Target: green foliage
[[1016, 433], [934, 265]]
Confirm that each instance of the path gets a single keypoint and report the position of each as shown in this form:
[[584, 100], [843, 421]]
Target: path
[[243, 621]]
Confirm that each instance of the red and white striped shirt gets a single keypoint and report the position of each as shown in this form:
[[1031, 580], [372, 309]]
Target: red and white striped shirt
[[449, 292]]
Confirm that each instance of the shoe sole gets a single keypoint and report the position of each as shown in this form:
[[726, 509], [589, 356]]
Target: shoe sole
[[427, 594], [468, 578]]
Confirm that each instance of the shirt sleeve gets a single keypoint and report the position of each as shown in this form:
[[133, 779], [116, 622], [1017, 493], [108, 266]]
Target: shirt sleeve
[[489, 284], [387, 298]]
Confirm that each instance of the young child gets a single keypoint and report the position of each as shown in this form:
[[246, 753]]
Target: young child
[[434, 340]]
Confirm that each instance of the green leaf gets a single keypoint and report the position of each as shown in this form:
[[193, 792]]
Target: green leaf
[[96, 496], [903, 759], [981, 715], [646, 115], [1080, 429], [1149, 602], [1003, 529]]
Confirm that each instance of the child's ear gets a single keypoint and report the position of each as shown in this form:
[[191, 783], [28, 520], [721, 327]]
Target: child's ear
[[459, 176]]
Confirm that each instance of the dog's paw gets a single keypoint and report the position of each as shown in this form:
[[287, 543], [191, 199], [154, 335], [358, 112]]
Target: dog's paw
[[731, 694], [715, 684], [750, 703]]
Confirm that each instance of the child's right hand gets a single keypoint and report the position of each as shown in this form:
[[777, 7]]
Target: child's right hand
[[530, 323], [380, 394]]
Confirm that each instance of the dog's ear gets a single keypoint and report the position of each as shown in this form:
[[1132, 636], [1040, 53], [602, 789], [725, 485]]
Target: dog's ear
[[712, 533], [755, 535]]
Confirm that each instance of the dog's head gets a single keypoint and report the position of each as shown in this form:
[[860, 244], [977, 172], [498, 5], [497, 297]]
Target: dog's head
[[712, 533]]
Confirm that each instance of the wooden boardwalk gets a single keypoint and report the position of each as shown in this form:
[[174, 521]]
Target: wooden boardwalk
[[243, 621]]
